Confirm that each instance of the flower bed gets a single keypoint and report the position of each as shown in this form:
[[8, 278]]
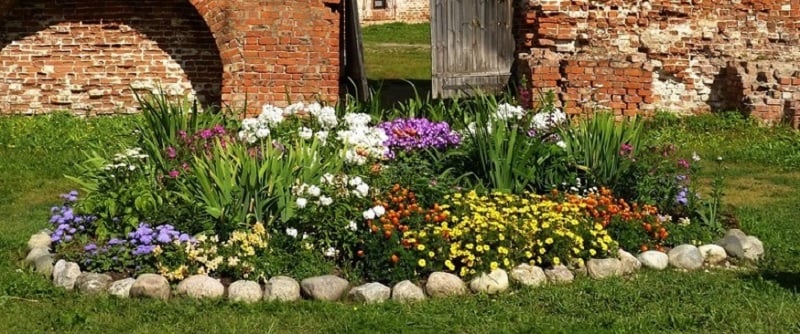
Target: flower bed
[[309, 190]]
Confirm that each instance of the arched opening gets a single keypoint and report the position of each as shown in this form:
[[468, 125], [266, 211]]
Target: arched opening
[[86, 56]]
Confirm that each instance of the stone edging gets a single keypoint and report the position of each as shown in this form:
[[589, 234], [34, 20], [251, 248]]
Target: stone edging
[[735, 244]]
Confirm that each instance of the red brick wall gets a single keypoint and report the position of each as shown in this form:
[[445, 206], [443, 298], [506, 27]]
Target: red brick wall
[[408, 11], [85, 55], [685, 56]]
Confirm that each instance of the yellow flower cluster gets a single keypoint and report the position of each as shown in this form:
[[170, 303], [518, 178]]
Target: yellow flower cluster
[[502, 230], [245, 245]]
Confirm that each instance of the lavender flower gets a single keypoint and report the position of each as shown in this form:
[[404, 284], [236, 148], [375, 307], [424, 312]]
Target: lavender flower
[[409, 134], [66, 222], [682, 197]]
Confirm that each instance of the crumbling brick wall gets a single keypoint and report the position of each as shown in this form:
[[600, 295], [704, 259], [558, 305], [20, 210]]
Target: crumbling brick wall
[[685, 56], [407, 11], [88, 56]]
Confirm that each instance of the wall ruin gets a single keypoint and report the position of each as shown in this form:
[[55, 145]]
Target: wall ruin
[[635, 57]]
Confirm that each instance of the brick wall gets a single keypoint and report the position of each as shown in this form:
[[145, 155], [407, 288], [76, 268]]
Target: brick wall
[[87, 56], [408, 11], [679, 55]]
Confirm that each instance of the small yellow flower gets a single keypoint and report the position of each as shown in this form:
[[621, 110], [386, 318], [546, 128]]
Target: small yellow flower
[[421, 263], [548, 241], [556, 261], [431, 254], [493, 265], [420, 247]]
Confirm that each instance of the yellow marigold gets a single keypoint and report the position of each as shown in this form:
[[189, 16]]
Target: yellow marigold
[[421, 263], [556, 261], [420, 247], [493, 265], [548, 241], [449, 264]]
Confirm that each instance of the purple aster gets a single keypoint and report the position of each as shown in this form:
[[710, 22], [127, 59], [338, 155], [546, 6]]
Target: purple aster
[[143, 250], [90, 247]]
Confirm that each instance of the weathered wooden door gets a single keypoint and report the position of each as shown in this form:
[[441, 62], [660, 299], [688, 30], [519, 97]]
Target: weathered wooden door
[[472, 46]]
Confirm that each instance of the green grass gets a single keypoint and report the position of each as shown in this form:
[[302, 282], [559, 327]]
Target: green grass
[[397, 51], [763, 184]]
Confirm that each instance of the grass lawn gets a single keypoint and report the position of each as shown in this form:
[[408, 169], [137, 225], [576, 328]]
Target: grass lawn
[[763, 181], [397, 51]]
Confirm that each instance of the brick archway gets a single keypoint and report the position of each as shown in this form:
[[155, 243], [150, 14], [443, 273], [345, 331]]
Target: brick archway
[[85, 56]]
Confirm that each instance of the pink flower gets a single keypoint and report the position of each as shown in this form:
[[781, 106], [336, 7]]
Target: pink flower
[[174, 174], [683, 163], [171, 153]]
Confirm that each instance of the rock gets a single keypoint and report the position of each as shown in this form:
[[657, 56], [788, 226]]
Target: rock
[[528, 275], [604, 268], [713, 254], [44, 265], [150, 286], [492, 283], [654, 260], [65, 273], [282, 288], [40, 240], [245, 291], [93, 283], [407, 291], [742, 246], [371, 293], [200, 286], [327, 287], [121, 288], [36, 253], [442, 284], [630, 264], [559, 274], [686, 257]]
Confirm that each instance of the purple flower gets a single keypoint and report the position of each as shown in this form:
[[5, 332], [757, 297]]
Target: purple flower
[[682, 198], [90, 247], [143, 250], [625, 149], [115, 242], [409, 134]]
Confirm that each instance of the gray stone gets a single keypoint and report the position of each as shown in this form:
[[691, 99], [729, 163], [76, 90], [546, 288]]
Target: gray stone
[[36, 253], [630, 264], [44, 265], [150, 286], [406, 291], [604, 268], [713, 254], [528, 275], [559, 274], [370, 293], [327, 287], [492, 283], [93, 283], [442, 284], [654, 260], [121, 288], [245, 291], [282, 288], [686, 257], [65, 273], [40, 240], [200, 286]]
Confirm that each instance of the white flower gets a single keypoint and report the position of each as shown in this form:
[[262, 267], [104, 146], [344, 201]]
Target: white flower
[[322, 136], [330, 252], [352, 226], [357, 119], [132, 168], [325, 200], [506, 111], [292, 232], [561, 144], [301, 202], [271, 115], [362, 190], [327, 118], [684, 221], [305, 236], [379, 210], [356, 181], [369, 214], [326, 179], [314, 191], [249, 124], [695, 157], [262, 132], [294, 108], [352, 157], [305, 133]]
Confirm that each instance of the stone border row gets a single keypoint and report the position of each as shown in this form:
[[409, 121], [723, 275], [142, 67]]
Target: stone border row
[[735, 244]]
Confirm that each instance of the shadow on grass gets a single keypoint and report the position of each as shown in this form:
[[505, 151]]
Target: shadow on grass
[[785, 279], [393, 91]]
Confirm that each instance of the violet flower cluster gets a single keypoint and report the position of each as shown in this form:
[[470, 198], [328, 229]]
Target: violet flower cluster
[[145, 238], [409, 134], [66, 222]]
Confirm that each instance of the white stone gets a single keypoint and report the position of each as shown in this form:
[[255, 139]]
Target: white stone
[[559, 274], [686, 257], [36, 253], [739, 245], [528, 275], [201, 286], [282, 288], [65, 273], [442, 284], [630, 263], [40, 240], [492, 283], [713, 254], [371, 293], [93, 283], [654, 260], [245, 291], [407, 291], [604, 268], [327, 287], [44, 265], [121, 288], [151, 286]]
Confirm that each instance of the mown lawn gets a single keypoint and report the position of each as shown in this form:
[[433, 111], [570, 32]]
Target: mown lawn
[[763, 181]]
